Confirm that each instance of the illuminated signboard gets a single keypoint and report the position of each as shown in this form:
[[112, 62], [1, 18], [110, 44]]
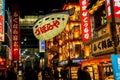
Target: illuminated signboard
[[15, 32], [85, 21], [50, 25], [2, 15], [102, 46], [42, 46], [116, 7], [115, 58]]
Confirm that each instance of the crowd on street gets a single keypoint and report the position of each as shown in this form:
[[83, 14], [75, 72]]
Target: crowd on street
[[46, 74]]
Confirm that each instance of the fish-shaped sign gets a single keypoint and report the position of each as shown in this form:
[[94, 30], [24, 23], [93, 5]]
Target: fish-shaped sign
[[51, 25]]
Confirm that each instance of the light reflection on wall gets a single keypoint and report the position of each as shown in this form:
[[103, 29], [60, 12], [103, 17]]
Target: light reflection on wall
[[87, 51]]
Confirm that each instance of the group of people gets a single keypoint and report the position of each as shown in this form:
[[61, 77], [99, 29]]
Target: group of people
[[31, 74], [83, 74], [8, 74]]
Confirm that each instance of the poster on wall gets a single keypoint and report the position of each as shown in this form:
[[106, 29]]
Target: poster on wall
[[116, 65]]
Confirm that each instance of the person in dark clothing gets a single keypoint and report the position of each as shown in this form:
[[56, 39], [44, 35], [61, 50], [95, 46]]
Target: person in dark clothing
[[11, 75], [65, 74], [35, 74], [61, 73], [29, 74], [80, 73], [56, 74], [86, 74], [2, 75]]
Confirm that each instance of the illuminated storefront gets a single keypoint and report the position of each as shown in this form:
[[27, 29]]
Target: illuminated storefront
[[104, 35]]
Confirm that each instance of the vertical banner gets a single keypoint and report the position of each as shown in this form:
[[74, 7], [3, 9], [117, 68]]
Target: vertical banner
[[116, 8], [15, 31], [42, 46], [116, 66], [2, 17], [85, 21], [108, 8]]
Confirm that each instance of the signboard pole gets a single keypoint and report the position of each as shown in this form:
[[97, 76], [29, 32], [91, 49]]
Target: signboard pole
[[112, 26]]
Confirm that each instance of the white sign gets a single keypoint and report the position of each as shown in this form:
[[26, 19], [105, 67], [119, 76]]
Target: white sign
[[50, 26]]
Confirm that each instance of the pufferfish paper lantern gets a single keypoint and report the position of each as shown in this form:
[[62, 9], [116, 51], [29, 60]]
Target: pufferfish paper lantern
[[51, 25]]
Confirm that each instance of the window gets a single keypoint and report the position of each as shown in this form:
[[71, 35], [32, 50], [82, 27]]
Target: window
[[100, 17]]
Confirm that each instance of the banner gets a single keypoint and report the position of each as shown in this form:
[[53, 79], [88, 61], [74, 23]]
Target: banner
[[15, 32], [85, 21], [2, 17], [116, 8]]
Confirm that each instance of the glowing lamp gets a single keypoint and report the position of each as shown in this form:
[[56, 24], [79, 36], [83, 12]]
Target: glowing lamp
[[1, 59]]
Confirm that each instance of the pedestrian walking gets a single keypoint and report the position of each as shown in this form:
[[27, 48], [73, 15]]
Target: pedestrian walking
[[61, 73], [11, 75], [56, 74], [80, 73], [35, 74], [2, 75], [65, 74], [86, 74], [29, 74]]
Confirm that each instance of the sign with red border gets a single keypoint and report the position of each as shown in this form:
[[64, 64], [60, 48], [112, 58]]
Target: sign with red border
[[15, 32], [116, 8], [85, 21]]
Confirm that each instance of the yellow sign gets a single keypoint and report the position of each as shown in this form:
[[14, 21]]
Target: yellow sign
[[1, 37]]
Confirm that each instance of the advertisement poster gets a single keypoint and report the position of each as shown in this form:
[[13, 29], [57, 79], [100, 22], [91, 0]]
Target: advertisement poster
[[116, 65]]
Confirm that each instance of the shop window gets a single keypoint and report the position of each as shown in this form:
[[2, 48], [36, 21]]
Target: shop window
[[100, 17]]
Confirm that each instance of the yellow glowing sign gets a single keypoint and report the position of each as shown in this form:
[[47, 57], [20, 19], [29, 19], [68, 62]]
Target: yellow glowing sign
[[2, 37]]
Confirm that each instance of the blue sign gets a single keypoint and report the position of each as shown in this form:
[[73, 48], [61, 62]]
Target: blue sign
[[42, 46], [116, 65]]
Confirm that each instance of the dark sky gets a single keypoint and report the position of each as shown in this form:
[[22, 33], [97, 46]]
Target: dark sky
[[35, 6]]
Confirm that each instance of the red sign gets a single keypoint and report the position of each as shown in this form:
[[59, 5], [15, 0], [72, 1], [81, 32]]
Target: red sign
[[116, 6], [2, 16], [108, 7], [85, 21], [15, 32]]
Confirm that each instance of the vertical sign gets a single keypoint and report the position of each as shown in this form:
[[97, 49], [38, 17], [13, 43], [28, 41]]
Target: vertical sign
[[15, 31], [116, 8], [2, 16], [42, 46], [108, 8], [116, 66], [85, 21]]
